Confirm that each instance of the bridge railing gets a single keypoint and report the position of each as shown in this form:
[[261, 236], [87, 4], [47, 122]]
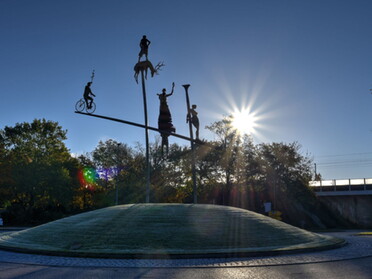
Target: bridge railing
[[342, 184]]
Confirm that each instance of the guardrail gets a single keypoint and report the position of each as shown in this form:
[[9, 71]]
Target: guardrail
[[337, 185]]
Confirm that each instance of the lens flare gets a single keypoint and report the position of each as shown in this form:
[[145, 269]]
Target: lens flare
[[88, 177]]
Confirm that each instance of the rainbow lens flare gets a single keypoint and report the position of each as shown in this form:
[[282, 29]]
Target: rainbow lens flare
[[88, 177]]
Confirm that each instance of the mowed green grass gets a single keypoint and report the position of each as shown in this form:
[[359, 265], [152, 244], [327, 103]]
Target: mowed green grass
[[164, 229]]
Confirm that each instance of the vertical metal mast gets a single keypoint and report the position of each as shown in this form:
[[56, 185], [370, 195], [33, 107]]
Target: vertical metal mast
[[186, 86], [147, 140]]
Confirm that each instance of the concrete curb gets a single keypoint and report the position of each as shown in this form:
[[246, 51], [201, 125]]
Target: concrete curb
[[358, 247], [331, 243]]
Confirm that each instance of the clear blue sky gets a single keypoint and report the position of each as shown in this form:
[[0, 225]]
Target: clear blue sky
[[304, 67]]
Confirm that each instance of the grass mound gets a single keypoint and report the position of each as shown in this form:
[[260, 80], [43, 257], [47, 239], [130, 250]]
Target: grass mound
[[165, 230]]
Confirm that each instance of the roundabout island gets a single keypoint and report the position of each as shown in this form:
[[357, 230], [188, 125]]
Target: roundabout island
[[162, 231]]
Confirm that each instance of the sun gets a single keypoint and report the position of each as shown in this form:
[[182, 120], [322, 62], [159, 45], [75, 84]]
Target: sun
[[244, 121]]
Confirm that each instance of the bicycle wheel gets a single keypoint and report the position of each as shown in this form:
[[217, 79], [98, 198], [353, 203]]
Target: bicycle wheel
[[80, 105], [92, 108]]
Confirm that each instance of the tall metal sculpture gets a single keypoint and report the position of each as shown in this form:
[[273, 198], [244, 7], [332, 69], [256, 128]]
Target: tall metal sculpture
[[144, 45], [192, 117], [142, 67], [165, 119], [189, 117], [165, 130]]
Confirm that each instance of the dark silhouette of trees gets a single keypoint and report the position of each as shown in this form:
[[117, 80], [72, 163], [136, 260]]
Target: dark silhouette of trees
[[41, 181]]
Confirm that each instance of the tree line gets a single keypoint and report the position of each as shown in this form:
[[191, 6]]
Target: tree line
[[41, 180]]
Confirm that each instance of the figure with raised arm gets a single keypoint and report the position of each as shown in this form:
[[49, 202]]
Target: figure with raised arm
[[144, 45], [87, 93], [165, 118], [194, 119]]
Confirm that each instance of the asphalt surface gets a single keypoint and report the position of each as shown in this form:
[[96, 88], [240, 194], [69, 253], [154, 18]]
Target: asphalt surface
[[351, 261], [348, 269]]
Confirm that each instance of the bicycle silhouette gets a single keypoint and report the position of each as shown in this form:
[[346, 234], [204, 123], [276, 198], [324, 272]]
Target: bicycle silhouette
[[81, 105]]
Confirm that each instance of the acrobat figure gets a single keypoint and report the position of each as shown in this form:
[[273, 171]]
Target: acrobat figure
[[165, 118], [144, 45], [87, 93], [194, 120]]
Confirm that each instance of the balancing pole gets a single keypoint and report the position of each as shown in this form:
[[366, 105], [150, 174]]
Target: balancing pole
[[147, 140], [92, 76], [186, 86]]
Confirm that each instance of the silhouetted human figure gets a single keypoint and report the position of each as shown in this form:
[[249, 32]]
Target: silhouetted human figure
[[194, 119], [87, 93], [165, 118], [144, 45]]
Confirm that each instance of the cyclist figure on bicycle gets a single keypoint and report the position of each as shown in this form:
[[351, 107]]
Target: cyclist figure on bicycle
[[87, 93]]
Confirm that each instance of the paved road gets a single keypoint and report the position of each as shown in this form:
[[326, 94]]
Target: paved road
[[347, 269], [352, 261]]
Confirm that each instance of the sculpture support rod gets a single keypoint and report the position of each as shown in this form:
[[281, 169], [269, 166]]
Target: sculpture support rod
[[140, 126], [186, 86], [147, 140]]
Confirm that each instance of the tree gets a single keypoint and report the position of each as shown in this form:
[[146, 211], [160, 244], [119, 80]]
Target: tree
[[41, 169], [122, 170], [112, 156], [171, 174], [5, 175], [284, 169], [226, 155], [236, 172]]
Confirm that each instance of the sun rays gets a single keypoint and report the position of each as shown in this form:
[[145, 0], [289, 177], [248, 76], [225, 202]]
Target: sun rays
[[244, 122], [254, 108]]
